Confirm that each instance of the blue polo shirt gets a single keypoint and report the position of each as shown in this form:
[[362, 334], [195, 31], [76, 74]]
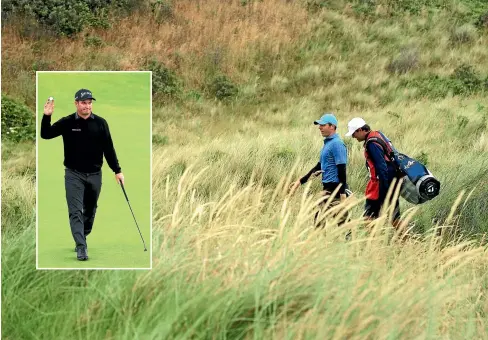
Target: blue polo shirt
[[334, 152]]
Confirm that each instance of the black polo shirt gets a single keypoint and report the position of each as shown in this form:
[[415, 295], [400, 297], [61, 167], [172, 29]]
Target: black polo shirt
[[85, 141]]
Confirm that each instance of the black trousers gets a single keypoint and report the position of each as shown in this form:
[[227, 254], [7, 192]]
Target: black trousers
[[330, 187], [328, 190], [82, 192], [372, 209]]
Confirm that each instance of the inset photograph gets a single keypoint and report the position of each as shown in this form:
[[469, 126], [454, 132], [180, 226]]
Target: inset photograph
[[94, 170]]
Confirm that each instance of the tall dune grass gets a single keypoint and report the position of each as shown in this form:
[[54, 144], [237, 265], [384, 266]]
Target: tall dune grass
[[249, 263]]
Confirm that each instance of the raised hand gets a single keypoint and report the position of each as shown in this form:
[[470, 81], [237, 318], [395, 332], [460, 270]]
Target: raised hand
[[49, 107]]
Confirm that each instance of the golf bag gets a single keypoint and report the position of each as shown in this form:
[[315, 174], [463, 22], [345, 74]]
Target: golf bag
[[418, 183]]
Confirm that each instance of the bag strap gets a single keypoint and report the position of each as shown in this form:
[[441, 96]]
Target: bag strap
[[389, 154]]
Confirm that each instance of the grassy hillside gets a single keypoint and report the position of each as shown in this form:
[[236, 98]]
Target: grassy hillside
[[236, 87]]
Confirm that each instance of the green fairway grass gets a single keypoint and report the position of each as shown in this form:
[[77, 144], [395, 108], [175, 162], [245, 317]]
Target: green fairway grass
[[123, 99]]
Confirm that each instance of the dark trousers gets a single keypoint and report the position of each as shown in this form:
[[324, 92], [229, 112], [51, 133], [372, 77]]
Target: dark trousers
[[329, 187], [372, 209], [328, 190], [82, 192]]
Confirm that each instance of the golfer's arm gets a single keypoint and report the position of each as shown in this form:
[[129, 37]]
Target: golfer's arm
[[305, 178], [340, 158], [109, 151], [341, 170], [49, 131], [377, 155]]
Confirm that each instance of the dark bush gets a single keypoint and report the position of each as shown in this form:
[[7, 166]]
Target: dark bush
[[18, 123], [482, 21], [42, 65], [412, 6], [159, 140], [223, 88], [67, 17], [364, 8], [162, 11], [316, 5], [465, 80], [165, 84], [93, 41]]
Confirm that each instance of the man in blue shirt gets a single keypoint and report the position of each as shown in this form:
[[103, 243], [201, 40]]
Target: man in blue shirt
[[333, 161]]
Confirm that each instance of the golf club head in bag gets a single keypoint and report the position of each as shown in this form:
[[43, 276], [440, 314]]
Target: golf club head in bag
[[419, 185]]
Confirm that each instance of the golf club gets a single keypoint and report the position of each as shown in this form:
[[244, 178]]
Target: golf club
[[123, 189]]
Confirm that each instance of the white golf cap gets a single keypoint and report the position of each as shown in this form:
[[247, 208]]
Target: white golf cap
[[354, 124]]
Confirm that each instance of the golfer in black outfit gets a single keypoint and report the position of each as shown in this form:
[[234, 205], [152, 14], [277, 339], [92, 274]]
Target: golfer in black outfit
[[86, 139]]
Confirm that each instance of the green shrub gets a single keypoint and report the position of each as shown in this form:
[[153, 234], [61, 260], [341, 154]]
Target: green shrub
[[18, 122], [162, 10], [482, 21], [165, 84], [476, 11], [159, 140], [433, 86], [413, 6], [67, 17], [64, 18], [42, 65], [364, 8], [93, 40], [314, 6], [223, 88], [193, 95], [468, 79], [465, 80]]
